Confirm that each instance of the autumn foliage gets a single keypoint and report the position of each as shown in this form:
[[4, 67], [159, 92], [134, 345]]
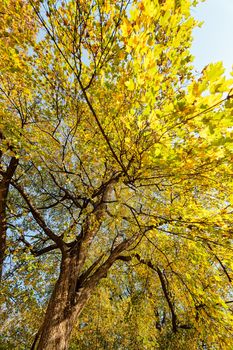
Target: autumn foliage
[[115, 179]]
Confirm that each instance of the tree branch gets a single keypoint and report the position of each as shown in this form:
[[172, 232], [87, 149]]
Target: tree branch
[[164, 288], [103, 269], [39, 219]]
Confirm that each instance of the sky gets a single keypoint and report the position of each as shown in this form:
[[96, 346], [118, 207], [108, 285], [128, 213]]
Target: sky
[[214, 40]]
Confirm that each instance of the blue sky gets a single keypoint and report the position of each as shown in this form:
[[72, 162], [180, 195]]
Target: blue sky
[[214, 40]]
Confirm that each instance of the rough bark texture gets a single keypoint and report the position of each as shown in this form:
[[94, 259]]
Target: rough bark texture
[[66, 301], [63, 308], [71, 293]]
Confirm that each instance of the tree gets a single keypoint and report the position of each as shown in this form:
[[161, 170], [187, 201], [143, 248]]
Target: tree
[[123, 156]]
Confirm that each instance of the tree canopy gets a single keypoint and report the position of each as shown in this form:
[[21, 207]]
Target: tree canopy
[[115, 179]]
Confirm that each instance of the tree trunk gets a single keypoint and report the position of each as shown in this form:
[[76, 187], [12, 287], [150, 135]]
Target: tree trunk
[[67, 301], [64, 307]]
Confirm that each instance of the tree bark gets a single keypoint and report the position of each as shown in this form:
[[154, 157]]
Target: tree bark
[[65, 305], [63, 309], [4, 189], [69, 298]]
